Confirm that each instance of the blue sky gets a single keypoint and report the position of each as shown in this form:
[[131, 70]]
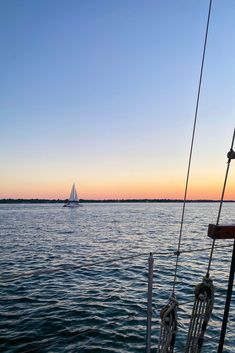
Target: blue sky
[[103, 93]]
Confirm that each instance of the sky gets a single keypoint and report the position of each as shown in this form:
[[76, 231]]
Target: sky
[[102, 93]]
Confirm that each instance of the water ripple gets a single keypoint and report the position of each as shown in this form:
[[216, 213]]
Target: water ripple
[[49, 304]]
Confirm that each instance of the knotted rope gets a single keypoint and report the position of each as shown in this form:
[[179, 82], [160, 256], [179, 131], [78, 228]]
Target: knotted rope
[[202, 309], [168, 331]]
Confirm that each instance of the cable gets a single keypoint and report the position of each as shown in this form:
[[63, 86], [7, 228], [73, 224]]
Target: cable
[[98, 263], [191, 147], [221, 203]]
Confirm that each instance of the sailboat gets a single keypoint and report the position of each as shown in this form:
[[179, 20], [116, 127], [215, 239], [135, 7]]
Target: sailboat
[[73, 198]]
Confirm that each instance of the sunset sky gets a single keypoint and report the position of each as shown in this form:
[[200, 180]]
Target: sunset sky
[[102, 93]]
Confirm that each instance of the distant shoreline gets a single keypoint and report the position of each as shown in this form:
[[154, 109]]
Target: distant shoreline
[[39, 201]]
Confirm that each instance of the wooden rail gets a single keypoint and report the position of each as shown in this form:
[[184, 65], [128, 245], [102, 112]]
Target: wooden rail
[[221, 231]]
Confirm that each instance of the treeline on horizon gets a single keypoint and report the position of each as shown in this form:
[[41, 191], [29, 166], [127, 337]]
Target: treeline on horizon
[[104, 200]]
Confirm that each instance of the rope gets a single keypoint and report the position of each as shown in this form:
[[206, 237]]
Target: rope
[[207, 248], [202, 309], [191, 147], [169, 325], [230, 157]]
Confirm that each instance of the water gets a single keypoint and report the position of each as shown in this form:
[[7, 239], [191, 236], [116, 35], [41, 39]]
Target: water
[[49, 304]]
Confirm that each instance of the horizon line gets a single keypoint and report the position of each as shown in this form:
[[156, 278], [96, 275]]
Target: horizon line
[[41, 200]]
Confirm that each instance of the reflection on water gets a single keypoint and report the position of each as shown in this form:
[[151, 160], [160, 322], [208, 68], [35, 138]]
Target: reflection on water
[[103, 308]]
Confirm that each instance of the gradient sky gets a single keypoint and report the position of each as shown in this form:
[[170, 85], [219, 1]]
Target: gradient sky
[[102, 93]]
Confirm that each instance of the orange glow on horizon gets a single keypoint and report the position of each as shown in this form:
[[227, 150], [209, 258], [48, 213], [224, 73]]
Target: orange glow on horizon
[[128, 185], [120, 190]]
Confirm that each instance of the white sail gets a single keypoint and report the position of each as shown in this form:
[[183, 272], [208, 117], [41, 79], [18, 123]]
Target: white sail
[[73, 195], [73, 200]]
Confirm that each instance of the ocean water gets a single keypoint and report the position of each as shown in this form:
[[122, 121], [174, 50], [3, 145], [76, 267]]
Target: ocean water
[[61, 291]]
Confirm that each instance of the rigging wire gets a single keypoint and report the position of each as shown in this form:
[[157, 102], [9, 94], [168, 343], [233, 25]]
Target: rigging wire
[[8, 278], [221, 202], [168, 314], [191, 147]]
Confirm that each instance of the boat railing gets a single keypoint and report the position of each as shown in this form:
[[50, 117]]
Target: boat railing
[[69, 266]]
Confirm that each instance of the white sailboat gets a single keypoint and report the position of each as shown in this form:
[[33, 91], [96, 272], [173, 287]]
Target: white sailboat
[[73, 198]]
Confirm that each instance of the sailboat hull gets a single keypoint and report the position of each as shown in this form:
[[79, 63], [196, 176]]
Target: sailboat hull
[[72, 204]]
